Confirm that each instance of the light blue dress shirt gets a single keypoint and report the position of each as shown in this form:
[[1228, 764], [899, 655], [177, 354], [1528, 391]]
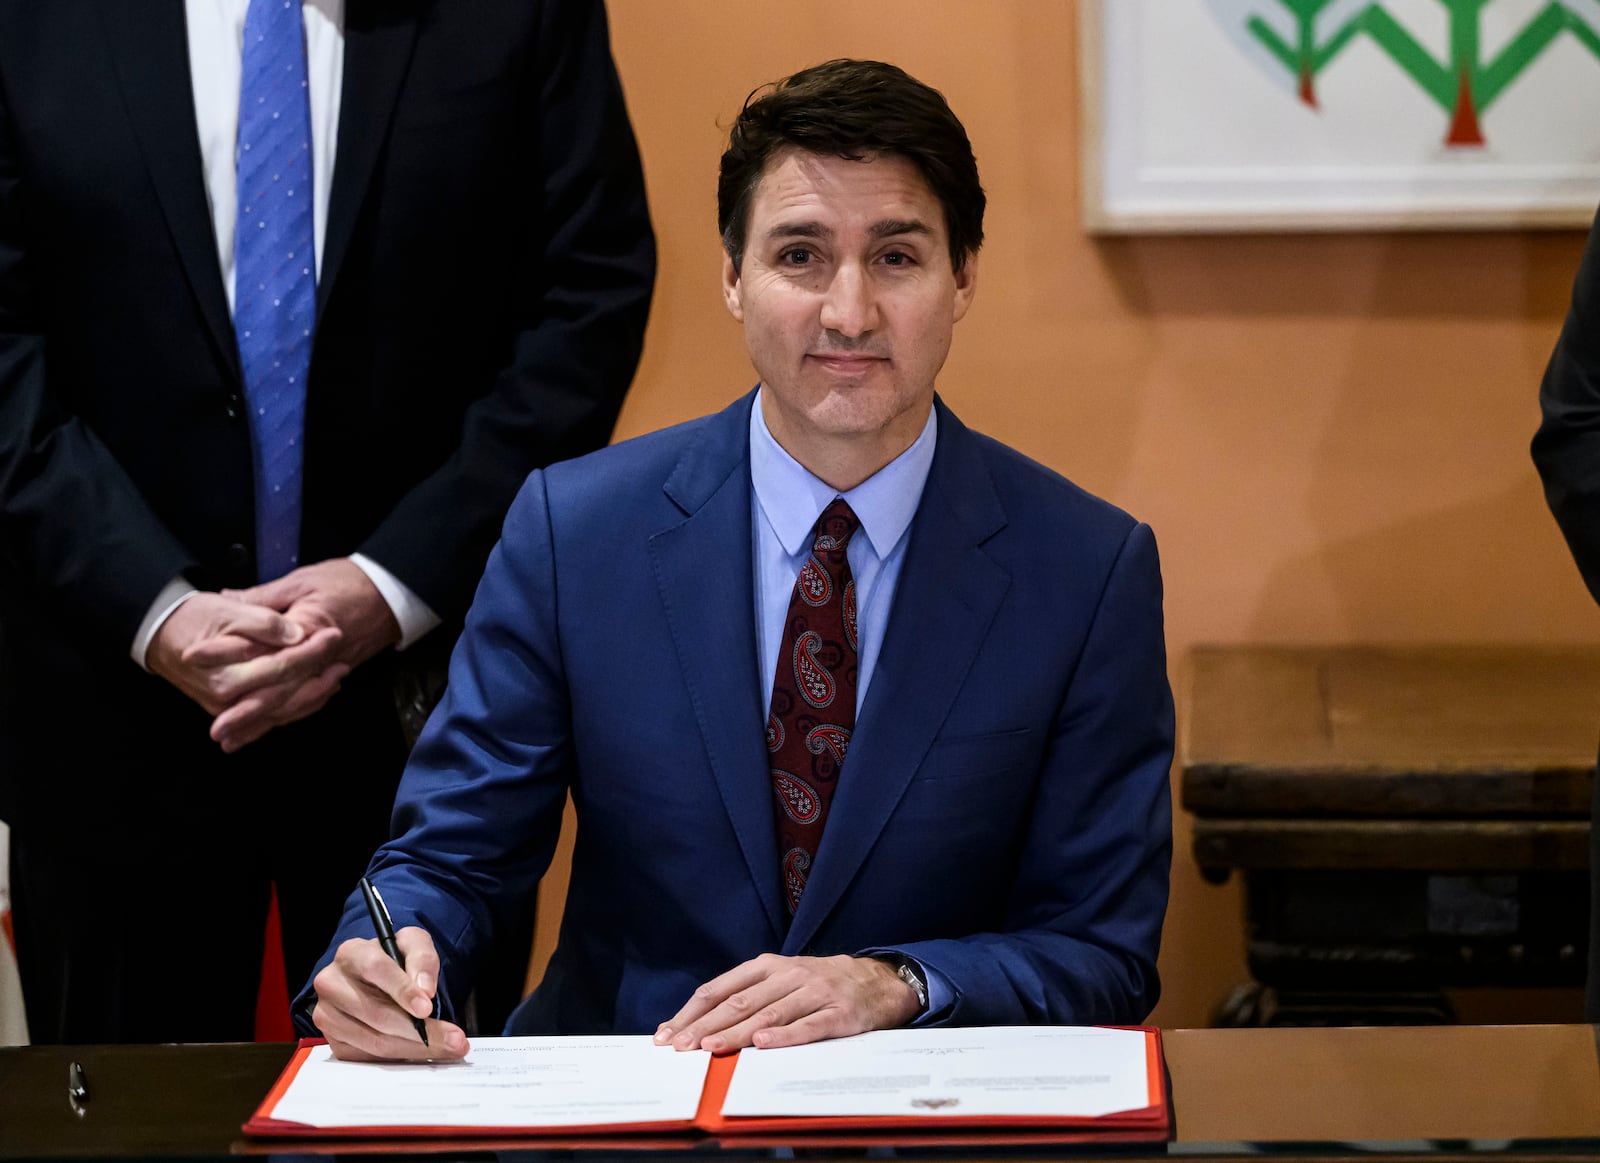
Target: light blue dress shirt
[[786, 500]]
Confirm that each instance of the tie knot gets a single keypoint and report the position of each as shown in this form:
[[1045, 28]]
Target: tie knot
[[835, 527]]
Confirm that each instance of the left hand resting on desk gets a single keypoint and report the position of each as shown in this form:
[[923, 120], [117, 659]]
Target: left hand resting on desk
[[786, 1001]]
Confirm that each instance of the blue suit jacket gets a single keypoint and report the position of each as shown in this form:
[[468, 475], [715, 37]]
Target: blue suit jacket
[[1004, 816]]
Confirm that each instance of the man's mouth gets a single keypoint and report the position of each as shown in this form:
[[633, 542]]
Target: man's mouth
[[846, 362]]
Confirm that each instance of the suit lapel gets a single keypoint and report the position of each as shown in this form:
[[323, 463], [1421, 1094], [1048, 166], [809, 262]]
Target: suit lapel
[[378, 38], [947, 596], [704, 570], [149, 46]]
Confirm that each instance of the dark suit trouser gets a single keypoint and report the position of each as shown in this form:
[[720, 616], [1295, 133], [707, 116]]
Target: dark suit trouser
[[149, 927]]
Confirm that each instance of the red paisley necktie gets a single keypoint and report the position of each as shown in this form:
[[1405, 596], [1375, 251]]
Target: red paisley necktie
[[813, 696]]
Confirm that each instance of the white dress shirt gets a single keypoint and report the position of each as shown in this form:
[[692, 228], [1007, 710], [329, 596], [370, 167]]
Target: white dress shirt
[[216, 40]]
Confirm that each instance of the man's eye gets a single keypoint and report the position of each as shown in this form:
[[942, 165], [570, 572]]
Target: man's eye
[[897, 258], [797, 256]]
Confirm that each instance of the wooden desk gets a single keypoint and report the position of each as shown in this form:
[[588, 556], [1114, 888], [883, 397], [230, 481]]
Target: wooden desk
[[1404, 819], [1442, 1092], [1385, 1085]]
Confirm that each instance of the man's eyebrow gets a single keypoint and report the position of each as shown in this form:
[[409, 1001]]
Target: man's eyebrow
[[804, 229], [809, 228], [893, 226]]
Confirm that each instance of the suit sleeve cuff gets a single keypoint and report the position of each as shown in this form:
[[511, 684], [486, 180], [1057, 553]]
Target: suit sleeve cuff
[[172, 595], [414, 616], [941, 995]]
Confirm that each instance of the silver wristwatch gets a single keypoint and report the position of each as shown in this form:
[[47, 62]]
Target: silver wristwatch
[[909, 972]]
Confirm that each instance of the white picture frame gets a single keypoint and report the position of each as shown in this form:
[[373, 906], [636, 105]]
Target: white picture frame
[[1194, 122]]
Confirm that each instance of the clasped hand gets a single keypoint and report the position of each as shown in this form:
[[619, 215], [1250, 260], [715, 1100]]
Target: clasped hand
[[256, 659]]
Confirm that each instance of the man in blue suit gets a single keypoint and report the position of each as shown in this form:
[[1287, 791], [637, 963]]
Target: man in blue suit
[[903, 762]]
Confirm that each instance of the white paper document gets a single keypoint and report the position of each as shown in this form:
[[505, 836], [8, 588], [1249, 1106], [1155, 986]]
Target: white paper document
[[996, 1070], [504, 1082]]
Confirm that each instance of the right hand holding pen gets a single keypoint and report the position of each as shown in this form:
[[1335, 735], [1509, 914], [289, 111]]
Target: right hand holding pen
[[365, 1002]]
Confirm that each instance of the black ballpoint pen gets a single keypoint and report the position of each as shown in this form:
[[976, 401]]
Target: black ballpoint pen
[[385, 927]]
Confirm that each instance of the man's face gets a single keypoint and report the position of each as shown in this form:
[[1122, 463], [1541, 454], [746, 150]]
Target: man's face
[[847, 300]]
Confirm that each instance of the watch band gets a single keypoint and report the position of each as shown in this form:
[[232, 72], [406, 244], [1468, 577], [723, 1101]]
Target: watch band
[[909, 972]]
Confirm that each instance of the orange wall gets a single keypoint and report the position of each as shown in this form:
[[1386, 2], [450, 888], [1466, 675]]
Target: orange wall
[[1328, 433]]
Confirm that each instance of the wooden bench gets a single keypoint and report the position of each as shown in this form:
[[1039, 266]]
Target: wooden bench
[[1404, 820]]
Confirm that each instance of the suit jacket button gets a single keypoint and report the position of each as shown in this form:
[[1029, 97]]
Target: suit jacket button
[[234, 408], [240, 560]]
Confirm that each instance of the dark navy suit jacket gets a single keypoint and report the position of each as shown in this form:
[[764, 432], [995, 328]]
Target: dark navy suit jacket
[[1567, 452], [1004, 814]]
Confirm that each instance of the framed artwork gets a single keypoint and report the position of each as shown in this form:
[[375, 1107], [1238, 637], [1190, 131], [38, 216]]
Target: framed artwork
[[1216, 115]]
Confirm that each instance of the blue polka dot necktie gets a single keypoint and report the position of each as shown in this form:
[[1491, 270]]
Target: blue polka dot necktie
[[813, 697], [275, 280]]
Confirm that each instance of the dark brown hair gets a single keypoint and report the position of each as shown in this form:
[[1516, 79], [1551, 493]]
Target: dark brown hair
[[854, 110]]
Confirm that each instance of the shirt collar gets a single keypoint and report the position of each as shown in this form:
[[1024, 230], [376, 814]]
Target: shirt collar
[[791, 497]]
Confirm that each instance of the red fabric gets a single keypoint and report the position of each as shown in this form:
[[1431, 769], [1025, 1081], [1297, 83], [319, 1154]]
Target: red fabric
[[813, 697], [272, 999]]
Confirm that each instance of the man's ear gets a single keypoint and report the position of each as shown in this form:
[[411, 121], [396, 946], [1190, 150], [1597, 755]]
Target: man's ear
[[966, 286], [732, 295]]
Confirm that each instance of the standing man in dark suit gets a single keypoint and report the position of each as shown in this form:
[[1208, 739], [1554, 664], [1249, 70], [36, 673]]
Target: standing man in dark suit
[[292, 297], [865, 715], [1567, 451]]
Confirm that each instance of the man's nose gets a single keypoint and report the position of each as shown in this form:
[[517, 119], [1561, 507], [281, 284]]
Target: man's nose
[[850, 305]]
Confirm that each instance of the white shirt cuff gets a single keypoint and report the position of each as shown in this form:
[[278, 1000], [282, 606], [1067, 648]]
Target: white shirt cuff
[[172, 595], [414, 615]]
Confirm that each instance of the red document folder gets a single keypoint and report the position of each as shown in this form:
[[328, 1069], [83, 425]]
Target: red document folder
[[1147, 1122]]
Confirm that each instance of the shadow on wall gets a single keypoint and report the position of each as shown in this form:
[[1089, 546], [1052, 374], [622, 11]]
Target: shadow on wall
[[1521, 276], [1429, 520], [1442, 576], [1398, 502]]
